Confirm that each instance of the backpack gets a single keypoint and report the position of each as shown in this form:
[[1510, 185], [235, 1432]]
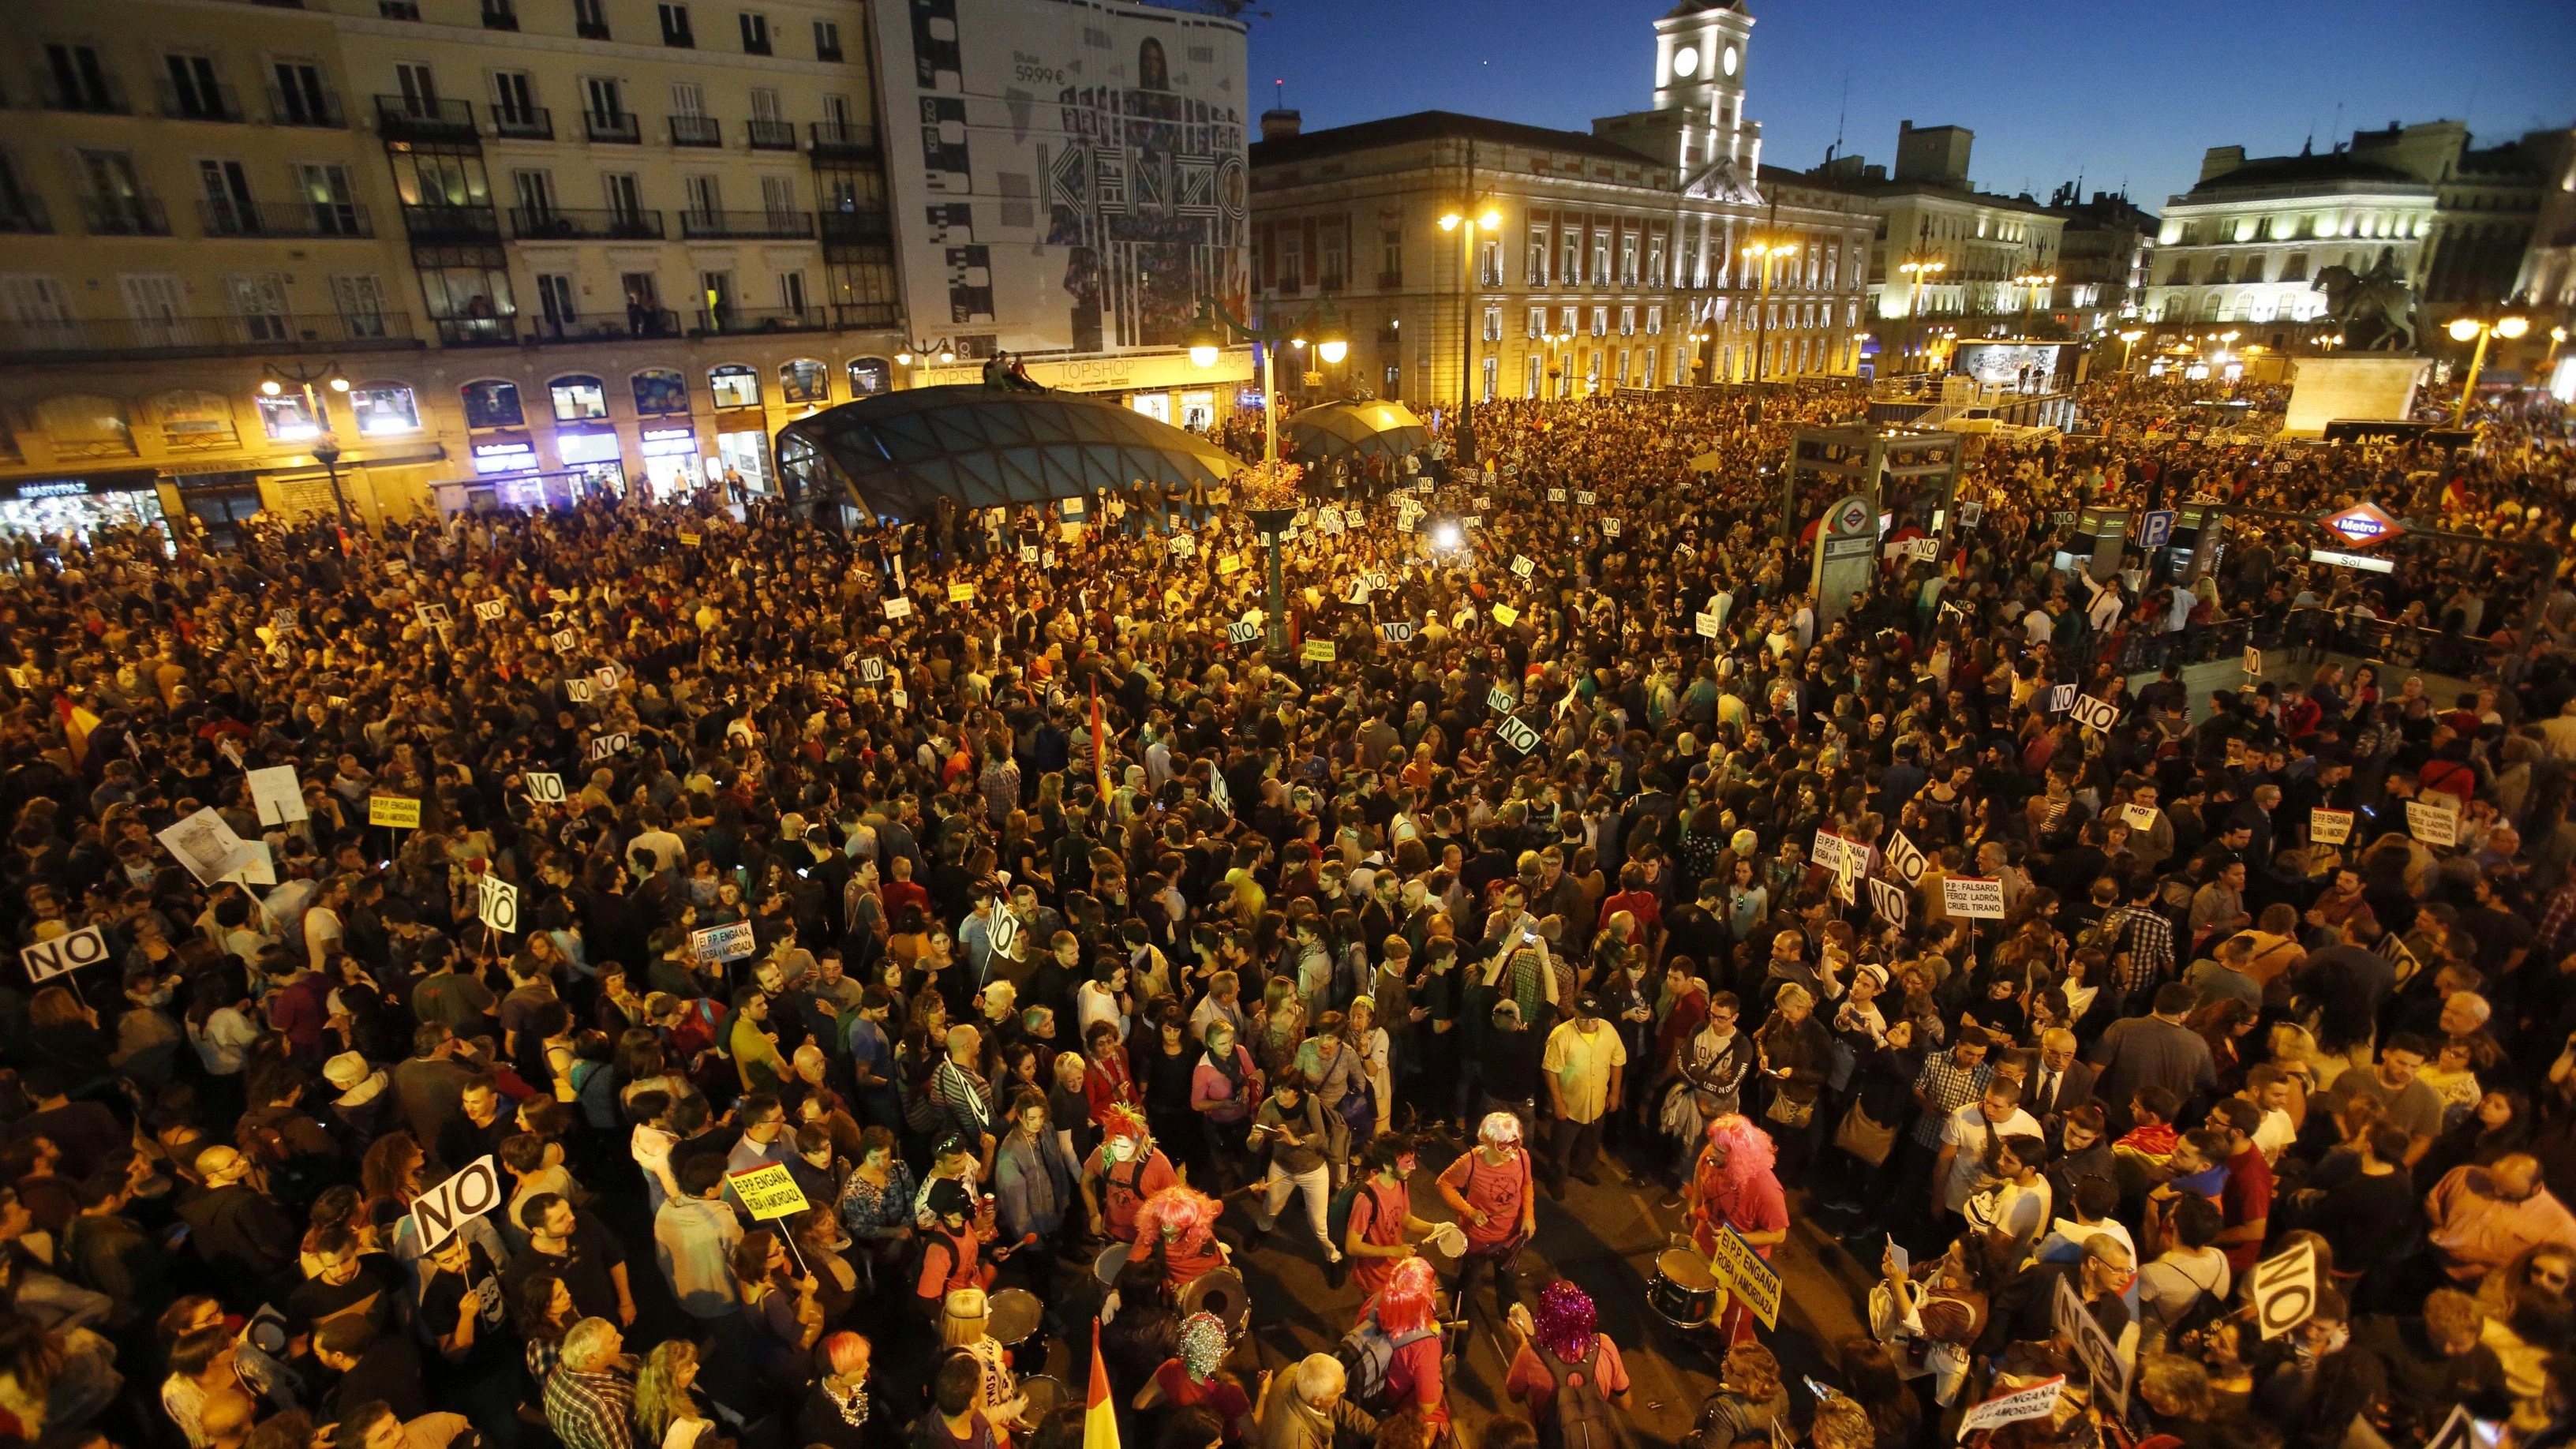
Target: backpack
[[291, 1176], [1367, 1355], [1584, 1416]]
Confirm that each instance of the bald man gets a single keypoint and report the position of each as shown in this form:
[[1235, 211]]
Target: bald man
[[244, 1236], [2481, 1218]]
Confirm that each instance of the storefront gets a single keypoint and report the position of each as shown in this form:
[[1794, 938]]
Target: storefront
[[218, 502], [594, 457], [671, 460], [77, 505], [745, 453]]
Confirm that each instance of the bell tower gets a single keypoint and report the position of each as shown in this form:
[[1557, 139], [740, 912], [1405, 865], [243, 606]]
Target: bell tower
[[1702, 51]]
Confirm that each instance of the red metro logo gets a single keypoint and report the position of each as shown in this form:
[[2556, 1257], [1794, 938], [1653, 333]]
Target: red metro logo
[[2362, 525]]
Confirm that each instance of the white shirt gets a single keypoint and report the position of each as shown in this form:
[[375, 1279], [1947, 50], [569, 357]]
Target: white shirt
[[1966, 1131]]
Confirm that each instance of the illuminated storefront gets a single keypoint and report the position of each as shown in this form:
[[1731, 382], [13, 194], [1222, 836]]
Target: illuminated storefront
[[76, 506]]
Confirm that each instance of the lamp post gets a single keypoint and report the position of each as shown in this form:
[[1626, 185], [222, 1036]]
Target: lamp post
[[1205, 340], [2465, 328], [1491, 220], [945, 348], [1922, 263], [1764, 252], [2129, 344], [326, 447], [2038, 282]]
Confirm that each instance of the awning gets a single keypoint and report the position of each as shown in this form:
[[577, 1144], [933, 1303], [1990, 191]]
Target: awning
[[1356, 429]]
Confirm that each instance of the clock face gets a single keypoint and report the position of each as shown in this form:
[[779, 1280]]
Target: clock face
[[1685, 62], [1728, 60]]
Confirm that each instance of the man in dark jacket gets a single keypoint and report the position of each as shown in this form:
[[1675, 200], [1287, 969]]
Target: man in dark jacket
[[247, 1240]]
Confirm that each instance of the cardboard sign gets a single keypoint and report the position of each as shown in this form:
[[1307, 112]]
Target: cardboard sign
[[1483, 502], [1705, 625], [1556, 495], [1585, 497], [2285, 1289], [2141, 818], [1006, 928], [1518, 734], [1971, 513], [282, 619], [1923, 549], [1506, 615], [1890, 901], [2329, 827], [544, 789], [577, 690], [1499, 700], [562, 596], [1974, 898], [2094, 1349], [1522, 566], [1046, 558], [491, 609], [1473, 520], [1240, 633], [1610, 528], [1828, 850], [565, 641], [2095, 714], [67, 952], [961, 593], [1741, 1271], [605, 678], [1028, 553], [872, 669], [899, 699], [2432, 824], [400, 812], [1906, 858], [2037, 1401], [499, 905], [1330, 521], [432, 614], [262, 869], [2253, 661], [1358, 597], [729, 942], [1317, 651], [439, 1212], [1229, 566], [689, 540], [276, 794], [2061, 698], [898, 607], [2460, 1431], [1183, 546], [768, 1191], [603, 746], [1396, 631]]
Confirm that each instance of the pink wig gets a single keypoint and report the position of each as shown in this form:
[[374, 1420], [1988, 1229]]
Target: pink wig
[[1184, 1217], [1749, 1150], [1405, 1303]]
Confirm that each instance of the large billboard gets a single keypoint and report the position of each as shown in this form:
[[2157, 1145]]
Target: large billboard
[[1067, 176]]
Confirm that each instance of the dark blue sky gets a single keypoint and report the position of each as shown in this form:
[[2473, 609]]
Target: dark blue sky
[[2051, 87]]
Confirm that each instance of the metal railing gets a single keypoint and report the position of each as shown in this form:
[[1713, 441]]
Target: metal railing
[[523, 123], [100, 95], [407, 118], [477, 331], [92, 337], [286, 218], [451, 223], [25, 214], [619, 126], [748, 225], [2305, 635], [771, 135], [735, 320], [549, 223], [500, 15], [195, 102], [857, 228], [638, 322], [696, 131], [863, 316], [1389, 281], [842, 138], [124, 216], [591, 29], [299, 108]]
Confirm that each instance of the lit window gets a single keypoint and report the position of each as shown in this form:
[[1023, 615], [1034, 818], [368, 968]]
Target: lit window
[[660, 392], [805, 381], [384, 407], [734, 386], [579, 398], [492, 404], [869, 376], [288, 418]]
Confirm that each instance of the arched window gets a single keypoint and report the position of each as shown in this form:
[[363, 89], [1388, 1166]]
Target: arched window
[[384, 408], [86, 425], [492, 403], [804, 381], [578, 398], [660, 392], [870, 376], [192, 419], [734, 386]]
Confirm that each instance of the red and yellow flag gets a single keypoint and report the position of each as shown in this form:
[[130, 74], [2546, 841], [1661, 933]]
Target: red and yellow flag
[[1100, 1415]]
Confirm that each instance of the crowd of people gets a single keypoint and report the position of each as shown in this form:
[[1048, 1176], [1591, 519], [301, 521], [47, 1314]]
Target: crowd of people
[[824, 968]]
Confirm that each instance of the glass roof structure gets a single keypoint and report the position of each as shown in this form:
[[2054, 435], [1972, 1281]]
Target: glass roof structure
[[1333, 429], [897, 453]]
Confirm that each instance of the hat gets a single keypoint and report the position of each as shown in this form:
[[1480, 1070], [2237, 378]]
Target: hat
[[948, 1198], [346, 1070], [1587, 1005]]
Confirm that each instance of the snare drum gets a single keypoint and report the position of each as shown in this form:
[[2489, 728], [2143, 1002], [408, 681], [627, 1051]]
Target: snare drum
[[1040, 1395], [1112, 1259], [1684, 1291], [1219, 1291], [1016, 1314]]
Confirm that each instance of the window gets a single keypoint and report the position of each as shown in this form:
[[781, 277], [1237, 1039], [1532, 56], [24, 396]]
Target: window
[[1646, 367], [419, 89], [2296, 268], [755, 33], [1571, 274], [1627, 321], [590, 18], [194, 92], [492, 404], [191, 418], [384, 407], [1493, 324], [287, 418], [1291, 259], [734, 386], [1493, 376], [870, 376], [1489, 264], [827, 40], [791, 293], [1600, 321], [675, 26], [607, 98], [514, 98], [688, 98], [554, 296], [804, 381], [765, 105], [1655, 263], [1600, 258], [1334, 246], [578, 398], [361, 300], [625, 194], [1567, 318], [660, 392], [1390, 257], [1628, 259], [1532, 388], [1654, 321], [1537, 259], [705, 195], [1537, 321]]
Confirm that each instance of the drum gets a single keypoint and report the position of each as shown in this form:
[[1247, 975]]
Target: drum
[[1684, 1292], [1112, 1259], [1219, 1291], [1041, 1395], [1016, 1314]]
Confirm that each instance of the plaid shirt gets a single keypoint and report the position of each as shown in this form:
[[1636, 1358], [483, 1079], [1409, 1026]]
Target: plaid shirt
[[2148, 937], [1946, 1087], [590, 1411], [2558, 920]]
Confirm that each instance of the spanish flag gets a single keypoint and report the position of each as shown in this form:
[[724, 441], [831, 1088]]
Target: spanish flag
[[77, 724], [1100, 1415]]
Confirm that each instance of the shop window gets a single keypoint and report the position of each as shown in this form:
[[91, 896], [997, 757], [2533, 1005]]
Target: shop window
[[383, 408], [86, 426], [734, 386], [805, 381], [870, 376], [660, 392], [578, 398], [287, 418], [492, 404], [192, 420]]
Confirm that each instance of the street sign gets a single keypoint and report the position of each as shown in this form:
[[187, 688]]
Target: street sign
[[2362, 525], [2155, 530]]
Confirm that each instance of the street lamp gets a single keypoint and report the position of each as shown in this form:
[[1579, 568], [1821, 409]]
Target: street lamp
[[2037, 282], [326, 448], [2465, 328], [2128, 344], [944, 347], [1491, 219], [1764, 253]]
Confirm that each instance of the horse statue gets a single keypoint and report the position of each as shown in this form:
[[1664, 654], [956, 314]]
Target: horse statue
[[2376, 309]]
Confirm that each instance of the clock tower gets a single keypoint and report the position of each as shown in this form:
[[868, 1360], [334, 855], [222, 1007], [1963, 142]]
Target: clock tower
[[1702, 50]]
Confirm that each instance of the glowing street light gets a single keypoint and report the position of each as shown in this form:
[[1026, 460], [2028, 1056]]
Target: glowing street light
[[2464, 328]]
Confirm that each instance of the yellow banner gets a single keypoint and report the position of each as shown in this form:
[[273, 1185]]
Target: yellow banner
[[689, 539], [399, 811], [768, 1192], [1742, 1273], [961, 593], [1506, 615], [1318, 651]]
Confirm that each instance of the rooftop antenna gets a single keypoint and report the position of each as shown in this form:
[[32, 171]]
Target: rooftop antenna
[[1280, 94], [1843, 114], [2338, 127]]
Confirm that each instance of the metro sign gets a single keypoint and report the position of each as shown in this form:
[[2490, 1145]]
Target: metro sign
[[2362, 525], [1853, 518]]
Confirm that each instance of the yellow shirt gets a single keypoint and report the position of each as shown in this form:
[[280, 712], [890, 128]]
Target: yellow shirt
[[1582, 1063]]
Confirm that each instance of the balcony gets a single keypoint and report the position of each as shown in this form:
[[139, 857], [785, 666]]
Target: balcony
[[397, 9], [591, 29], [772, 135], [500, 15], [404, 118], [863, 316], [25, 214], [755, 45], [477, 331], [93, 95], [747, 225], [682, 38], [86, 339], [548, 223], [451, 225], [638, 322], [198, 102], [857, 228], [696, 131], [523, 123], [290, 218], [844, 140], [306, 108], [620, 127], [1390, 281], [736, 321], [124, 216], [830, 53]]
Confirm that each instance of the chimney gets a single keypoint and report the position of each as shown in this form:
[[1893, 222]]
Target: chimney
[[2219, 160], [1279, 125]]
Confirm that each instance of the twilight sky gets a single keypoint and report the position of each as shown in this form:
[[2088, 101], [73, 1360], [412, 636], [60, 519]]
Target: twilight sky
[[2051, 87]]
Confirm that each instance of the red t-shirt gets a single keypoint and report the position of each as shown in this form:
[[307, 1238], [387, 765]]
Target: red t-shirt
[[1378, 1212], [2247, 1196], [1415, 1373], [1225, 1398], [1758, 1207], [1127, 1185], [1183, 1263], [1499, 1192]]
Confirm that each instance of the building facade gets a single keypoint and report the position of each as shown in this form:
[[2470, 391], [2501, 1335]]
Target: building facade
[[1576, 263]]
